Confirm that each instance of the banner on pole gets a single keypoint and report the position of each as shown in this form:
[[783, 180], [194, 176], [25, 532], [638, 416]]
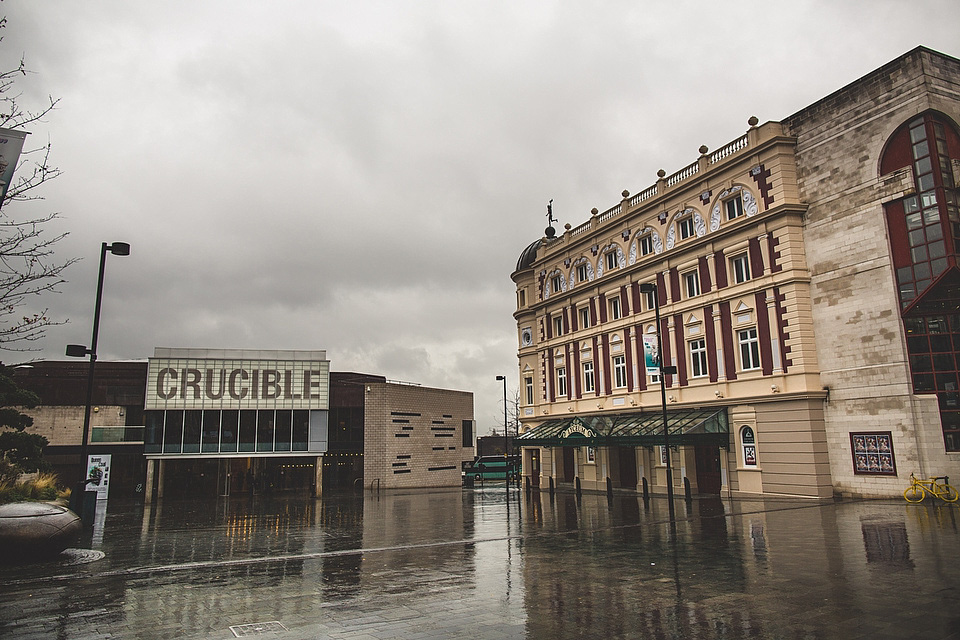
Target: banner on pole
[[11, 144], [651, 357]]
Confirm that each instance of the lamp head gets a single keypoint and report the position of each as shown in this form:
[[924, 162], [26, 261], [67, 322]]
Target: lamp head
[[647, 287], [77, 351], [119, 249], [501, 377]]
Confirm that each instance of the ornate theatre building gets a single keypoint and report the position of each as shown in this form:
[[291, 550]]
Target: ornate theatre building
[[806, 282]]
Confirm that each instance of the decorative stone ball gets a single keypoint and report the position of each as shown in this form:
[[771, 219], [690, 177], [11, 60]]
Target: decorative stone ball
[[33, 530]]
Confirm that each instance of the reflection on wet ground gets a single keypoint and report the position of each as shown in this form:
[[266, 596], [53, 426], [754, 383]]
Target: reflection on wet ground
[[443, 564]]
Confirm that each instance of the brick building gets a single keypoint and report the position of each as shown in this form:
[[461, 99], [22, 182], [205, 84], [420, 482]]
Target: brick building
[[806, 276]]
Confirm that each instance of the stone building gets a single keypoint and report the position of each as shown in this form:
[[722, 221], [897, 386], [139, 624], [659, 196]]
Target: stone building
[[806, 280]]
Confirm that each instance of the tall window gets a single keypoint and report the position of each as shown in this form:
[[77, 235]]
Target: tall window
[[650, 300], [620, 371], [528, 385], [611, 258], [582, 272], [734, 207], [589, 384], [557, 284], [740, 266], [558, 325], [749, 349], [561, 381], [924, 235], [685, 227], [698, 358], [646, 244], [691, 282], [615, 311], [584, 314], [931, 215]]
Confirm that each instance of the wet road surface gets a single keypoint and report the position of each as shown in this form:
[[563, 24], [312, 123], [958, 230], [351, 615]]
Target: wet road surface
[[452, 564]]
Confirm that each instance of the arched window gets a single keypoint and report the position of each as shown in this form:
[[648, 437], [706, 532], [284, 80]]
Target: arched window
[[924, 231], [748, 444]]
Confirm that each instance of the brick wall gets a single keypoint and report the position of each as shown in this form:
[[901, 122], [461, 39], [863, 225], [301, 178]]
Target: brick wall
[[413, 436]]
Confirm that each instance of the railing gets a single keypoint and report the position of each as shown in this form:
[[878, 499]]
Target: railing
[[672, 180], [583, 228], [116, 434], [683, 174], [646, 194], [731, 148], [609, 213]]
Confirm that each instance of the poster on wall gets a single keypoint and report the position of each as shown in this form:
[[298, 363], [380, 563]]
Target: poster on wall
[[873, 453], [651, 356], [98, 475]]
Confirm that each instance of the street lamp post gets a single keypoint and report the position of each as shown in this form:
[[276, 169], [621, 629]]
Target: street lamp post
[[649, 287], [79, 351], [506, 436]]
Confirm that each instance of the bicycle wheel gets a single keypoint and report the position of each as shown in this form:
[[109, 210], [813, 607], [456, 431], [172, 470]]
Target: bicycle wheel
[[948, 493], [914, 493]]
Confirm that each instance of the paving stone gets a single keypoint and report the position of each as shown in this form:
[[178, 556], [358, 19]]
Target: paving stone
[[445, 565]]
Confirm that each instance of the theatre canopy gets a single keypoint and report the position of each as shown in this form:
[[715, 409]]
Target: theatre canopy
[[636, 429]]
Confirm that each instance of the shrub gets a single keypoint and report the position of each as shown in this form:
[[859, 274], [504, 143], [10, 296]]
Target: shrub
[[43, 488]]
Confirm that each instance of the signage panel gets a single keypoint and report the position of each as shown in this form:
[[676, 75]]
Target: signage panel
[[194, 383], [651, 357], [98, 475], [11, 144]]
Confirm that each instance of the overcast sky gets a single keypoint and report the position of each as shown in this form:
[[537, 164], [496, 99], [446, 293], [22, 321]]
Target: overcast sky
[[361, 177]]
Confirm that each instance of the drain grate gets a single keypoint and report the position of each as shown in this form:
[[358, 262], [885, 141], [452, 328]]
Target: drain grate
[[256, 629]]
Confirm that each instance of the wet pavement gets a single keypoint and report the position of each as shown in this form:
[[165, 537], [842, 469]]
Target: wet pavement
[[452, 564]]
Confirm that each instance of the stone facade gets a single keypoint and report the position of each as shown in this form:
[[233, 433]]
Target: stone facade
[[859, 333], [783, 309]]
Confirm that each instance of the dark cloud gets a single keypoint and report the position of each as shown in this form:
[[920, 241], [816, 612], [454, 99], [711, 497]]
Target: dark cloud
[[361, 177]]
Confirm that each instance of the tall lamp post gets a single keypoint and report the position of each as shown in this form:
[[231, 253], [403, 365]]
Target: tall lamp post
[[80, 351], [506, 437], [649, 287]]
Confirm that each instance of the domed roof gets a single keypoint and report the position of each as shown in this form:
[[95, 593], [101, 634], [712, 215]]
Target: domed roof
[[528, 255]]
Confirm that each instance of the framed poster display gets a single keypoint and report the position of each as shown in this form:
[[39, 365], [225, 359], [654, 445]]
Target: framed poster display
[[873, 453]]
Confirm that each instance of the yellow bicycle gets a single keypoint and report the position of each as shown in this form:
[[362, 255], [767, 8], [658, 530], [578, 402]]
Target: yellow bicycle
[[919, 489]]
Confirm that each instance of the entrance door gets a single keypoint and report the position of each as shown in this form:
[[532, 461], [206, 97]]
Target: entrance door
[[535, 467], [628, 467], [568, 466], [708, 469]]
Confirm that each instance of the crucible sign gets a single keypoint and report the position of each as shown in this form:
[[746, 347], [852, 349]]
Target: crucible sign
[[218, 383]]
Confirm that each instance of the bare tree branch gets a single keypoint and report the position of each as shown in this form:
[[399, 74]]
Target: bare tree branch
[[28, 266]]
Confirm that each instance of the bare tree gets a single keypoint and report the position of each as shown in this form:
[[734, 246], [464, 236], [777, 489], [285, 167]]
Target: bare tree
[[512, 414], [28, 267]]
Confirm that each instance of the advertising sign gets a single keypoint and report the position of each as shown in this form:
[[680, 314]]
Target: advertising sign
[[98, 474], [11, 144], [651, 357], [194, 383]]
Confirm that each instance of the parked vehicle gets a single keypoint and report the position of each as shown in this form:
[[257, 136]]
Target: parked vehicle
[[492, 468]]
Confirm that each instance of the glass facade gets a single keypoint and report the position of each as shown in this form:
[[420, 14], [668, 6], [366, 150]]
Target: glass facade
[[925, 241], [226, 431]]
